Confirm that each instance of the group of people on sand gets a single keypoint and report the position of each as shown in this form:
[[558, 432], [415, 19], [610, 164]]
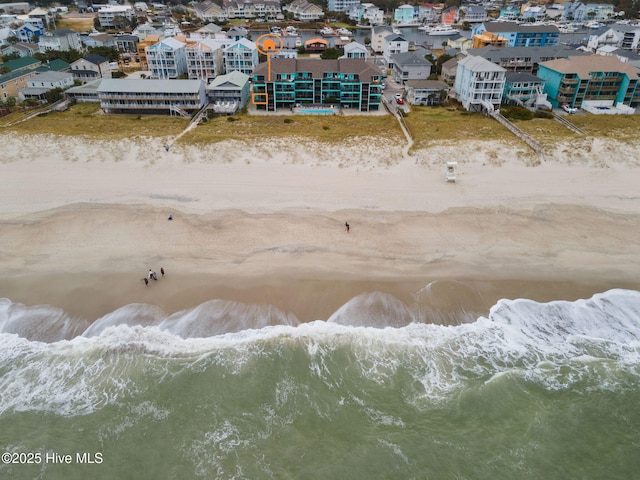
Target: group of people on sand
[[152, 276]]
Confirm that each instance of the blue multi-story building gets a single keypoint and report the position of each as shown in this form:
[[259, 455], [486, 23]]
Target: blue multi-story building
[[520, 35], [576, 80], [348, 82]]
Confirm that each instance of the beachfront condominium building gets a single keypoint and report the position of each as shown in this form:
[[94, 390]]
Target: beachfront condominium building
[[520, 34], [151, 96], [241, 56], [348, 82], [479, 84], [598, 79], [167, 58], [341, 5]]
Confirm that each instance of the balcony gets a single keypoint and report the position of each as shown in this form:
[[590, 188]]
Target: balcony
[[567, 91]]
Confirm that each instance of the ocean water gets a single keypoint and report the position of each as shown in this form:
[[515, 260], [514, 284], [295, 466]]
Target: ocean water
[[530, 391]]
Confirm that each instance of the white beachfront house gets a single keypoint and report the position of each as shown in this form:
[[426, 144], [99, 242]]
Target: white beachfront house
[[479, 84]]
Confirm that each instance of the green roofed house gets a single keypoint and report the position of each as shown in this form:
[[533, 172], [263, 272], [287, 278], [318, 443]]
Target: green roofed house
[[347, 82], [21, 64], [19, 72], [229, 92]]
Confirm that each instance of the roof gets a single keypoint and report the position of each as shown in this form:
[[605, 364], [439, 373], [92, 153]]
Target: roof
[[13, 75], [452, 62], [102, 37], [63, 32], [316, 40], [115, 85], [318, 67], [507, 27], [479, 64], [20, 63], [95, 59], [430, 84], [51, 76], [56, 65], [86, 89], [585, 65], [513, 77], [410, 58], [236, 78], [169, 42], [536, 54]]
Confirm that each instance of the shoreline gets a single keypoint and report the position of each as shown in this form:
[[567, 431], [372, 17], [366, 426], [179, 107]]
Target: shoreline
[[90, 260], [82, 226]]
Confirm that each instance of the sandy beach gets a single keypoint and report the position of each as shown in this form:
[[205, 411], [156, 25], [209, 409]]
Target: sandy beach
[[81, 222]]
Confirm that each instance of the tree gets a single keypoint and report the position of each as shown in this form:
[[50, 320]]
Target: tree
[[53, 95], [331, 53], [109, 53], [10, 56], [12, 39], [4, 69]]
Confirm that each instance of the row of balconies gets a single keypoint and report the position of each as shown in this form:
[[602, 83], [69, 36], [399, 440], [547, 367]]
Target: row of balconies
[[149, 105], [172, 97]]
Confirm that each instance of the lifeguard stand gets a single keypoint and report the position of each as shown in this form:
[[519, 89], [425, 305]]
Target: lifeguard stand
[[451, 171]]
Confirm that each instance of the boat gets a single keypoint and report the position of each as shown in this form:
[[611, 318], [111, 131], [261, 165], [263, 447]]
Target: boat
[[291, 31], [441, 29], [594, 25], [276, 30], [344, 31], [327, 31]]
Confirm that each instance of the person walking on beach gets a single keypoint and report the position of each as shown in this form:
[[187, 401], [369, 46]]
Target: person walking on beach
[[162, 271], [146, 281], [150, 274], [346, 225]]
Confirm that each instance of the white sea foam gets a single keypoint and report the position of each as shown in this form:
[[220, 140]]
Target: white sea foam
[[558, 344]]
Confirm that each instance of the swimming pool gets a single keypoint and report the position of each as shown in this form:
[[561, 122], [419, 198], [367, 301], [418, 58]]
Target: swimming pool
[[315, 111]]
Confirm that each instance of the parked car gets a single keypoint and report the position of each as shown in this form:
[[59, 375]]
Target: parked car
[[399, 99], [568, 108]]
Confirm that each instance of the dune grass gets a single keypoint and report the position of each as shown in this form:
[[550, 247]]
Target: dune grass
[[87, 119], [446, 125], [330, 129], [428, 126]]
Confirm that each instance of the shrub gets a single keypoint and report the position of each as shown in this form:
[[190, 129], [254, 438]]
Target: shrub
[[513, 112], [543, 114]]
